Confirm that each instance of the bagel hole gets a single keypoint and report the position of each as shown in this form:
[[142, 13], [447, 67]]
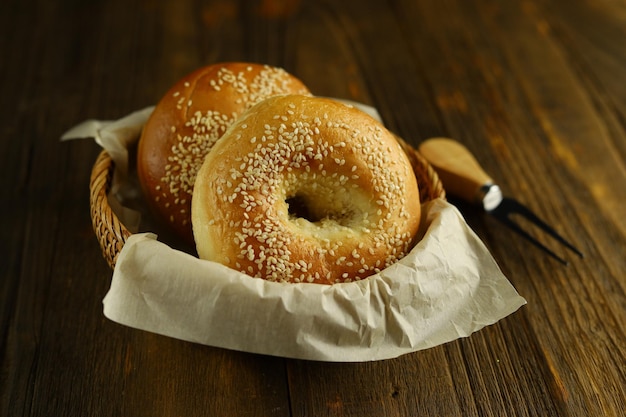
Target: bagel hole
[[320, 209], [299, 208]]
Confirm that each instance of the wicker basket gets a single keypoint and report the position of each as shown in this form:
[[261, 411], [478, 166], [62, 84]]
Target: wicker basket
[[112, 234]]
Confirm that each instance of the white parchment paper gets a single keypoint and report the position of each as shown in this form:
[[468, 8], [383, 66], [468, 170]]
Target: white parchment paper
[[448, 287]]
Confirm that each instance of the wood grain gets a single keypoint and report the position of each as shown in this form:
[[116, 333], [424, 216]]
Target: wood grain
[[535, 89]]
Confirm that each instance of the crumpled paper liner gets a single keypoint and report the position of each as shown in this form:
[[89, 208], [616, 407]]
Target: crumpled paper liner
[[448, 287]]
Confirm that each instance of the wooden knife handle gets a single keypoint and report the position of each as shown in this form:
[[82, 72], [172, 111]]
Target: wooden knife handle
[[461, 174]]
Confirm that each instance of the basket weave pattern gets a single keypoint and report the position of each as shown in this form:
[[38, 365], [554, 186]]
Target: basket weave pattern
[[112, 234], [110, 231]]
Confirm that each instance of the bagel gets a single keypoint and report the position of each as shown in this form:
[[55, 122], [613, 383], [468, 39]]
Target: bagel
[[185, 124], [305, 189]]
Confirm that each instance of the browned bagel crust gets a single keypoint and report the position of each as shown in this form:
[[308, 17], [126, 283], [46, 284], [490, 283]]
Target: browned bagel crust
[[361, 198], [186, 123]]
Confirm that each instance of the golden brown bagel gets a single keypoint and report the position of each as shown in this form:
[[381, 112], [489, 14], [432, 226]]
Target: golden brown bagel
[[304, 189], [185, 124]]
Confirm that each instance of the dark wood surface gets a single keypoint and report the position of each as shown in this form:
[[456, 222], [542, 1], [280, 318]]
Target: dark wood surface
[[535, 88]]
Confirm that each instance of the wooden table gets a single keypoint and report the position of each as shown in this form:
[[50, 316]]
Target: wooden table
[[535, 88]]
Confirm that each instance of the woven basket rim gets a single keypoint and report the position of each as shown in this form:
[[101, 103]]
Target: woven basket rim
[[112, 233]]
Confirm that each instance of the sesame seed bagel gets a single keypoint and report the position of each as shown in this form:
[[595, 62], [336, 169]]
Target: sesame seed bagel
[[305, 189], [185, 124]]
